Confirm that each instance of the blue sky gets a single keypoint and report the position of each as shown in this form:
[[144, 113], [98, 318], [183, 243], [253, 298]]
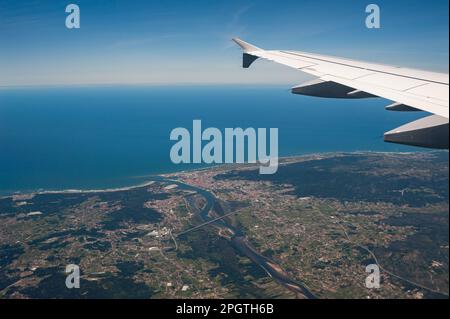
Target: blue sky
[[173, 42]]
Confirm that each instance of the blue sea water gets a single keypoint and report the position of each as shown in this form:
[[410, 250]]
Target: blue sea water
[[101, 137]]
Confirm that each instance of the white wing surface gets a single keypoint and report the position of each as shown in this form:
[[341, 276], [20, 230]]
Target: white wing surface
[[408, 89]]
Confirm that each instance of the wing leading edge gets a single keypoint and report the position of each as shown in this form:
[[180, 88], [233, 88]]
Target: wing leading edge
[[409, 89]]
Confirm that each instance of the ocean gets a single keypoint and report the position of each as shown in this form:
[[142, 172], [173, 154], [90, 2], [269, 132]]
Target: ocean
[[54, 138]]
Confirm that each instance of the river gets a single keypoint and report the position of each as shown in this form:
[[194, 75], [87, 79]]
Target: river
[[240, 243]]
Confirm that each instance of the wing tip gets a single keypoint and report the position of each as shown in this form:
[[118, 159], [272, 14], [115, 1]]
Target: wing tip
[[247, 47]]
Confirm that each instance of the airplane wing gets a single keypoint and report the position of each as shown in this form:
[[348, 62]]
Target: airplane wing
[[408, 89]]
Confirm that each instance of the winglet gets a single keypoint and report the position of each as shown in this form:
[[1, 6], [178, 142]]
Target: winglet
[[248, 58]]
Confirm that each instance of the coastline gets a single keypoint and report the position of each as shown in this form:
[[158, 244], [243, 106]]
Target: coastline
[[282, 161]]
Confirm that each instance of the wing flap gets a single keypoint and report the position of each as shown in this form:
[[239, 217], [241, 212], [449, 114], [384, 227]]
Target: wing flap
[[437, 91], [427, 104], [391, 81], [346, 72]]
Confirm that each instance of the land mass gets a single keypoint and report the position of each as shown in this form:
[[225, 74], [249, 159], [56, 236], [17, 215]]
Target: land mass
[[308, 231]]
